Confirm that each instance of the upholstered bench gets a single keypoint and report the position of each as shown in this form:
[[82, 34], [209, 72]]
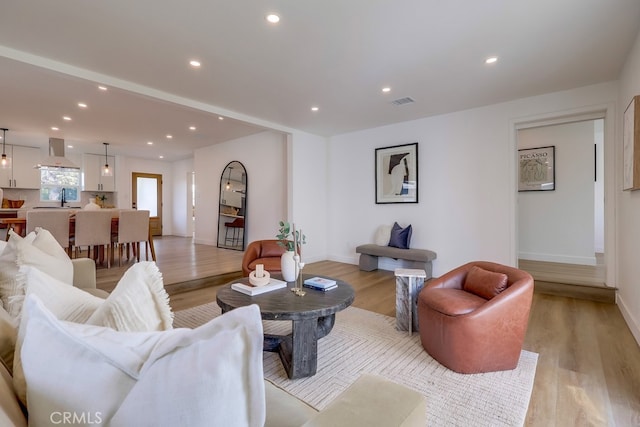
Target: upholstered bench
[[419, 258]]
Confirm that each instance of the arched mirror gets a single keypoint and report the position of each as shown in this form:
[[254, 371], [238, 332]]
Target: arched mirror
[[233, 207]]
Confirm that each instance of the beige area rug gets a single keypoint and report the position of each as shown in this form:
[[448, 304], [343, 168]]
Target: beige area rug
[[362, 341]]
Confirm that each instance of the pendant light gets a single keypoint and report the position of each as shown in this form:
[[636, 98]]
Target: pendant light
[[106, 170], [5, 161], [229, 178]]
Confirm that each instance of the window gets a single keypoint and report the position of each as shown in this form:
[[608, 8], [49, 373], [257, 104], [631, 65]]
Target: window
[[54, 180]]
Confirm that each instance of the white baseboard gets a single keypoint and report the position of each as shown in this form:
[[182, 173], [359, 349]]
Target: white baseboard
[[564, 259], [632, 322], [347, 260], [205, 242]]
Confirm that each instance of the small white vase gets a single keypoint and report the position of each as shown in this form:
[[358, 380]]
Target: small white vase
[[288, 267], [92, 205]]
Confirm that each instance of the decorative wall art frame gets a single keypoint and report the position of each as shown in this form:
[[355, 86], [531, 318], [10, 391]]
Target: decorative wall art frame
[[631, 146], [397, 174], [537, 169]]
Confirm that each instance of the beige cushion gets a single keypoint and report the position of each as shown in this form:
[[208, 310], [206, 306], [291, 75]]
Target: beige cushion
[[484, 283], [10, 410], [284, 409], [383, 235], [189, 377], [8, 336], [373, 401]]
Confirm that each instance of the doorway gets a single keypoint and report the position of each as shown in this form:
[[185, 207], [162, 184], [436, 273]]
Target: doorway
[[146, 194], [561, 232]]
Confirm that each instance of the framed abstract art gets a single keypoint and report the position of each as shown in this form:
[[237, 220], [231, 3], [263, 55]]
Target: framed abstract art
[[397, 174]]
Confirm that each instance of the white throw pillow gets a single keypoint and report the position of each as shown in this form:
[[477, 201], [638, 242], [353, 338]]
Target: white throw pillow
[[383, 235], [138, 303], [40, 250], [65, 301], [9, 286], [207, 376]]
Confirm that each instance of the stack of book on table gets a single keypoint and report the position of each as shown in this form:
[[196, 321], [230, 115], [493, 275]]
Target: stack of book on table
[[320, 284], [251, 290]]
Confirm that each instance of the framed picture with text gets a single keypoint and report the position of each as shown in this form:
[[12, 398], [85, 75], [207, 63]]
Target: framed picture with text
[[397, 174], [537, 169]]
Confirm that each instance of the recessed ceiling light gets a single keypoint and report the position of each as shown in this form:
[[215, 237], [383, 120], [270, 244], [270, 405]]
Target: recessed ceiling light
[[169, 136], [314, 108], [192, 128], [67, 118], [82, 105], [69, 146], [54, 128], [491, 60], [194, 63], [149, 142], [386, 89], [220, 118], [102, 87], [273, 18], [162, 157]]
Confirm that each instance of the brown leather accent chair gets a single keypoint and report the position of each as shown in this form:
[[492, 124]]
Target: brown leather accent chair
[[266, 252], [474, 318]]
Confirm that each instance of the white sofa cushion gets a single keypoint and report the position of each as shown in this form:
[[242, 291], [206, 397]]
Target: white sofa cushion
[[138, 303], [39, 249], [9, 286], [207, 376], [135, 308]]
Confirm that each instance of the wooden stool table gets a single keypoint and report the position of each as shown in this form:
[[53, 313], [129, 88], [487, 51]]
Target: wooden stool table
[[312, 316]]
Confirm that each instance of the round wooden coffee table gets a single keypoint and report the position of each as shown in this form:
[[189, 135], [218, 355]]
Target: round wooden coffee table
[[312, 316]]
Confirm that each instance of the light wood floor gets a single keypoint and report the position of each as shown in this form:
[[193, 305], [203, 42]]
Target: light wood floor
[[588, 371]]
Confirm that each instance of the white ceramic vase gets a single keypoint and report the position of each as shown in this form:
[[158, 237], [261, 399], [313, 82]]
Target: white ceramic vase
[[288, 266], [92, 205]]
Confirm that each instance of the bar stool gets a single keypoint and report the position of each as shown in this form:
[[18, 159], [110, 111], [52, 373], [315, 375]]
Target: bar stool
[[237, 227]]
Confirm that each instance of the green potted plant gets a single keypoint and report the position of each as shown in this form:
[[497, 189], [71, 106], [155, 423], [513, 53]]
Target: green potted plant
[[290, 239]]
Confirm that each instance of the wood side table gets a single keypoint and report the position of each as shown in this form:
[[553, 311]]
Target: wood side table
[[312, 317]]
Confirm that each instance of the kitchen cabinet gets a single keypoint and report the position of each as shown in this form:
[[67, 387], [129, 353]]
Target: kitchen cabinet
[[21, 173], [92, 179], [231, 198]]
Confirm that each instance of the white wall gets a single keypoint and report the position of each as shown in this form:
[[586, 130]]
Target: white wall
[[307, 161], [467, 179], [181, 197], [558, 225], [628, 207], [125, 166], [264, 158], [598, 187]]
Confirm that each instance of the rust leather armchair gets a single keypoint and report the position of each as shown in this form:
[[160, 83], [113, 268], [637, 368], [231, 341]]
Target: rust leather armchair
[[474, 318], [266, 252]]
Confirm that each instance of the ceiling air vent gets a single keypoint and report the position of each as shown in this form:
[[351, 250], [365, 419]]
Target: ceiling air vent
[[403, 101]]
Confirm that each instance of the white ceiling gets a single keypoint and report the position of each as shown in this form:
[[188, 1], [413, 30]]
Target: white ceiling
[[334, 54]]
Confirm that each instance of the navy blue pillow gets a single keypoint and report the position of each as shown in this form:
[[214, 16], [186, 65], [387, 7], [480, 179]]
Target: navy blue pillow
[[400, 237]]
